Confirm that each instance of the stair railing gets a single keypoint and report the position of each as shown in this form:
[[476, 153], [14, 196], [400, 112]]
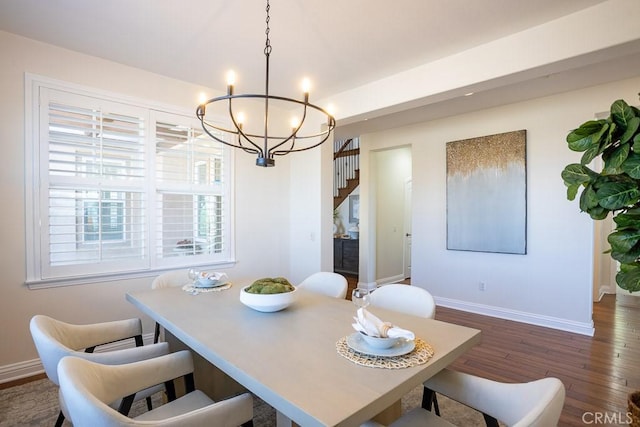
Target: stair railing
[[346, 163]]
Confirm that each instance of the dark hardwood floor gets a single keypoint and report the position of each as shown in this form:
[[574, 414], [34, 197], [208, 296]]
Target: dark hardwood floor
[[598, 372]]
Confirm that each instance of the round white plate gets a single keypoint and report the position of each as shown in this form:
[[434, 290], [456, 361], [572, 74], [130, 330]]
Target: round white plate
[[214, 284], [355, 342]]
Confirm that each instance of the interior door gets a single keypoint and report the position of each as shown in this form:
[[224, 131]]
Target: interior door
[[407, 229]]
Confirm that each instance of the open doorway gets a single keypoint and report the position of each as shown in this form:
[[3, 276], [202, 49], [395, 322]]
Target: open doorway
[[391, 177]]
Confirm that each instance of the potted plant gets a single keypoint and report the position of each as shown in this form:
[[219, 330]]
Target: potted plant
[[614, 189]]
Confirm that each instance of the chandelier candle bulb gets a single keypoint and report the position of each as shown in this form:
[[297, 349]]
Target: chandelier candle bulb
[[331, 112], [306, 85], [240, 120], [203, 103], [231, 78]]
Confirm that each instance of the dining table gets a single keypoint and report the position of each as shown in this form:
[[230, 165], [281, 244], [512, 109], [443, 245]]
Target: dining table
[[298, 360]]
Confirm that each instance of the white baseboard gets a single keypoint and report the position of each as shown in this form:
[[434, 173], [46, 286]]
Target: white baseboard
[[519, 316], [20, 370], [368, 285], [392, 279], [29, 368]]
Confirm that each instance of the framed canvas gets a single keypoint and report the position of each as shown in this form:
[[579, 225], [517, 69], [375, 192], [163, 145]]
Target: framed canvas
[[354, 209], [487, 194]]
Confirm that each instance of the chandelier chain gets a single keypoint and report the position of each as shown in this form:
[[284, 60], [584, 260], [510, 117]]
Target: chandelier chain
[[266, 145], [267, 45]]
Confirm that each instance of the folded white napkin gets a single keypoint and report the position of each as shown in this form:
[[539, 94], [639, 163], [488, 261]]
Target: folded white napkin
[[374, 327]]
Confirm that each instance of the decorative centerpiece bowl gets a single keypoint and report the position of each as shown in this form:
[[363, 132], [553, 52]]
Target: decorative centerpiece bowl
[[268, 295], [379, 342]]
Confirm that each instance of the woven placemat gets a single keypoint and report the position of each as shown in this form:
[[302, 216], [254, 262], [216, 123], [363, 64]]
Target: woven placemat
[[189, 287], [418, 356]]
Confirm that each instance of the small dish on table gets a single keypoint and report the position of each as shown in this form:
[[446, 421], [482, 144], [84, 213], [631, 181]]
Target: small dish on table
[[379, 342], [356, 342]]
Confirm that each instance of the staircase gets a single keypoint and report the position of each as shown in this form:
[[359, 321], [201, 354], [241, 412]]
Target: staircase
[[346, 169]]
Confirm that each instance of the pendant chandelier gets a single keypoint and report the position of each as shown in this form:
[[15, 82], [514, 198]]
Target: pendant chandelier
[[265, 145]]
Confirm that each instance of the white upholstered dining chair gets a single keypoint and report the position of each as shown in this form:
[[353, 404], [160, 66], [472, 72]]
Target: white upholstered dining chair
[[407, 299], [412, 300], [328, 283], [88, 388], [532, 404], [55, 339], [166, 280]]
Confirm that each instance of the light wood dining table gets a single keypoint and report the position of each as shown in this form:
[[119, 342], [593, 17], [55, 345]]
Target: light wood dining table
[[289, 358]]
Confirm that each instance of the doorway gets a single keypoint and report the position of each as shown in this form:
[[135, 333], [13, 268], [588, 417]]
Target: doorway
[[391, 196]]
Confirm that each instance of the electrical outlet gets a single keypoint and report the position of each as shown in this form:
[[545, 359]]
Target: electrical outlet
[[482, 286]]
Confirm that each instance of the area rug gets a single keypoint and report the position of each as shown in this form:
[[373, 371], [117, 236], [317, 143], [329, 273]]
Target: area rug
[[36, 404]]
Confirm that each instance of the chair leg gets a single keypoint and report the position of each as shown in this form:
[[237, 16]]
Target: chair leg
[[149, 406], [60, 419], [125, 404], [491, 422], [430, 400], [156, 334]]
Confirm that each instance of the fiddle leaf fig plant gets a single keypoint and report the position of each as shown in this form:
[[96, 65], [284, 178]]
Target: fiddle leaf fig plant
[[616, 188]]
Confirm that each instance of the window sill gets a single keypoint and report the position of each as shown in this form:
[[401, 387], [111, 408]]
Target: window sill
[[110, 277]]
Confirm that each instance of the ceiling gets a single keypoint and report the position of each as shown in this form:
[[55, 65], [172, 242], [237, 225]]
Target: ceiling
[[338, 44]]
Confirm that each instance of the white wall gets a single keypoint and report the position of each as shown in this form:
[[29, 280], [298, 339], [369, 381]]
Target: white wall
[[550, 285], [262, 198]]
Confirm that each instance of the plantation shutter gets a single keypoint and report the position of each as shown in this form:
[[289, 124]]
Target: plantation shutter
[[118, 188], [95, 204], [190, 191]]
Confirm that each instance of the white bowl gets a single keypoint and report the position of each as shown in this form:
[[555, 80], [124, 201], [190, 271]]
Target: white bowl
[[205, 282], [378, 342], [267, 302]]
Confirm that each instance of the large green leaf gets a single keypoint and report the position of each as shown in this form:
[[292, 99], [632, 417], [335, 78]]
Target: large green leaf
[[613, 128], [588, 199], [631, 166], [631, 130], [585, 129], [628, 278], [626, 257], [621, 113], [572, 191], [598, 213], [623, 241], [586, 135], [591, 153], [627, 219], [636, 143], [576, 173], [618, 156], [617, 195]]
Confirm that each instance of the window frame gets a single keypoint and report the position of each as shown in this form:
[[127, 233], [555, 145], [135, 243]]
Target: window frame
[[36, 196]]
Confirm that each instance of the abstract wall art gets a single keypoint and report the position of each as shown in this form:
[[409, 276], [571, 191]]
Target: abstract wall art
[[487, 194]]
